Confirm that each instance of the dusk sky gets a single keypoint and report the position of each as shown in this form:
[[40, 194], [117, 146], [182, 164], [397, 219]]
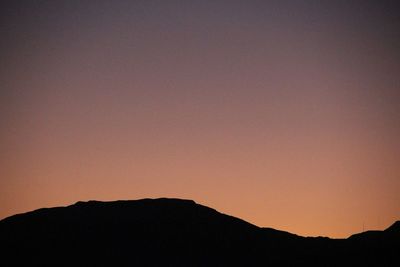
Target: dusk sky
[[283, 113]]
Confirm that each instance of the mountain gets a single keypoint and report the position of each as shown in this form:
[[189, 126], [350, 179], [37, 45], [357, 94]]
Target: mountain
[[174, 232]]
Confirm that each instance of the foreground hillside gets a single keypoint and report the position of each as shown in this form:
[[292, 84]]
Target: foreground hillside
[[174, 232]]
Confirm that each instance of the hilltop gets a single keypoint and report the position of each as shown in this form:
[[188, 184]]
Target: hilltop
[[175, 232]]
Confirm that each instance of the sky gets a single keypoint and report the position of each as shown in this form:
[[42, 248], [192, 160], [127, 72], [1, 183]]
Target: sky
[[283, 113]]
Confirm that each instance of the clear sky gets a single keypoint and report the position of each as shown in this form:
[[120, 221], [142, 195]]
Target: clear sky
[[283, 113]]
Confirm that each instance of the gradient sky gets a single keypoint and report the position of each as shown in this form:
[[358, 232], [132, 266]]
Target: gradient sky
[[283, 113]]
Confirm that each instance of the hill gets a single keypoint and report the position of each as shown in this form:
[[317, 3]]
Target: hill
[[174, 232]]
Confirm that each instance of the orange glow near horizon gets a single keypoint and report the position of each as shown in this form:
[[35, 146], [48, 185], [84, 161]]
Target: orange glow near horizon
[[290, 122]]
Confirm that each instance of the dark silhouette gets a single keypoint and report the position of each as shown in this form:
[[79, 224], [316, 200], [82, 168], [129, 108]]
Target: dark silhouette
[[173, 232]]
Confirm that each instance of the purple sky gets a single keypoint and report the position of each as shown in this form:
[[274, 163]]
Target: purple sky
[[283, 113]]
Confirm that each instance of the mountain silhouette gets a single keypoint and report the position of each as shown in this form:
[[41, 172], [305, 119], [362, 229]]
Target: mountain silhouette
[[175, 232]]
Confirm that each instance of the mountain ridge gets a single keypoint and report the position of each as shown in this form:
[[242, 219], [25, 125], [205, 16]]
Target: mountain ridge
[[175, 232]]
